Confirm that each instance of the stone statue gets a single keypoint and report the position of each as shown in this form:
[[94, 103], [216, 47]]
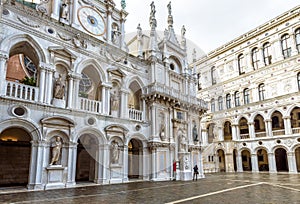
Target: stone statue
[[114, 101], [123, 4], [195, 133], [115, 152], [182, 144], [59, 89], [153, 11], [169, 8], [139, 31], [183, 30], [162, 132], [65, 10], [56, 150]]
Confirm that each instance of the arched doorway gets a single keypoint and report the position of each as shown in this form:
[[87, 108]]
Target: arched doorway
[[246, 160], [135, 159], [221, 155], [281, 160], [262, 159], [15, 154], [234, 160], [297, 155], [86, 155]]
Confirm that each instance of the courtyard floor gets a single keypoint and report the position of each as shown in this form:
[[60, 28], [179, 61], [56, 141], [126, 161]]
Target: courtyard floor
[[231, 188]]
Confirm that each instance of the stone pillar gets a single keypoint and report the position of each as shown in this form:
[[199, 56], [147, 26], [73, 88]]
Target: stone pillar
[[42, 83], [292, 163], [124, 104], [105, 99], [122, 29], [49, 84], [204, 137], [268, 125], [145, 162], [234, 132], [74, 14], [72, 159], [272, 163], [261, 57], [104, 165], [238, 135], [221, 133], [239, 162], [108, 23], [254, 163], [70, 91], [144, 110], [287, 125], [251, 130], [3, 67], [170, 126], [278, 56], [76, 81], [293, 43], [153, 163], [153, 120], [55, 9]]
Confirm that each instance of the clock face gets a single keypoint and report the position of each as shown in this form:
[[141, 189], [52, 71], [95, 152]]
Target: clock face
[[91, 20]]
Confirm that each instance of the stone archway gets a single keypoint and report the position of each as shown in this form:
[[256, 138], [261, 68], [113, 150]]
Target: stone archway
[[222, 162], [86, 158], [281, 160], [262, 159], [135, 159], [15, 154], [246, 160]]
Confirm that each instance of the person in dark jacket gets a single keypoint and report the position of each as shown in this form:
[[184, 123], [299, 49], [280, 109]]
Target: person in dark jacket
[[195, 172]]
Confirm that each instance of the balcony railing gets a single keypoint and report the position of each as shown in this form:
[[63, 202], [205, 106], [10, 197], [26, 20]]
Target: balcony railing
[[174, 93], [135, 114], [89, 105], [278, 132], [21, 91], [260, 134], [296, 130], [244, 136]]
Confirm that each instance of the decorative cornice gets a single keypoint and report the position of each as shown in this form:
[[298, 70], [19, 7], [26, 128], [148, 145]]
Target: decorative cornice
[[28, 22]]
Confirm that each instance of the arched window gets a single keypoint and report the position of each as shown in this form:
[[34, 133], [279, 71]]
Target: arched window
[[237, 98], [297, 38], [220, 103], [212, 105], [255, 58], [261, 92], [298, 79], [267, 53], [246, 96], [241, 64], [285, 46], [213, 75], [228, 101]]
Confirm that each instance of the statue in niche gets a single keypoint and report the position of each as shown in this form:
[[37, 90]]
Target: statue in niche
[[195, 133], [114, 101], [163, 132], [59, 89], [56, 150], [114, 152], [65, 10], [115, 34]]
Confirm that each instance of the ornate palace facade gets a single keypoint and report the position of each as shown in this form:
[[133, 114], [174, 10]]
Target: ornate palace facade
[[77, 106], [252, 86]]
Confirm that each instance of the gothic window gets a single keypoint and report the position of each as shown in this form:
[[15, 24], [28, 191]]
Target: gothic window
[[298, 79], [275, 122], [255, 58], [237, 98], [228, 101], [212, 105], [267, 54], [220, 102], [297, 37], [285, 46], [85, 85], [246, 96], [261, 92], [241, 64], [213, 75]]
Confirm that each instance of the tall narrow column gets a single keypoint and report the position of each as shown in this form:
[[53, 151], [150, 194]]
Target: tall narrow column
[[108, 22], [251, 130], [55, 9], [277, 50], [293, 44], [287, 125], [72, 157], [272, 163], [239, 162], [42, 83], [70, 91], [49, 89], [254, 163], [269, 127], [234, 133], [125, 161], [74, 14], [3, 67], [292, 163]]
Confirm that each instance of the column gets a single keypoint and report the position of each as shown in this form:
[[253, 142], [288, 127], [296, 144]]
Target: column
[[72, 157], [108, 23], [74, 13], [272, 163], [70, 91], [221, 134], [153, 120], [3, 66], [104, 165], [153, 163], [287, 125], [293, 43], [239, 162], [254, 163], [144, 110], [268, 124], [105, 99], [145, 162], [122, 29], [55, 9], [234, 132], [76, 80], [251, 130], [277, 50], [261, 57], [204, 137], [42, 83], [49, 84], [292, 163], [170, 126], [238, 136], [124, 104], [125, 164]]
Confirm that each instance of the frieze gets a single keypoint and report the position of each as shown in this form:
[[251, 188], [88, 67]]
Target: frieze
[[64, 37], [28, 22], [155, 145]]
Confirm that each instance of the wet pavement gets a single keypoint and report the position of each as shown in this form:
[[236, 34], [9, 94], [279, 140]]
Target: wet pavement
[[245, 188]]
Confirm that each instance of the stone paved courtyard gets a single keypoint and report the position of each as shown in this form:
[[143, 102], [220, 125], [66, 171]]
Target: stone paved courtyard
[[215, 188]]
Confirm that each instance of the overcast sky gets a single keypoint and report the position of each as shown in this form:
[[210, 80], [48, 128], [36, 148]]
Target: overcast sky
[[208, 23]]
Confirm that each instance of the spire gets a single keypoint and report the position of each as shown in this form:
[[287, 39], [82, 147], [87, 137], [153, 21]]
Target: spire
[[170, 17], [153, 47]]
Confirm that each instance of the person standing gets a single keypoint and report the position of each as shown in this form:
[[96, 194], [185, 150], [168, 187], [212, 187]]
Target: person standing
[[195, 172]]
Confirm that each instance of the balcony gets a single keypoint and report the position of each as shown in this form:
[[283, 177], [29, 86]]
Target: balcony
[[89, 105], [135, 114], [296, 130], [21, 91], [260, 134], [244, 136], [278, 132], [171, 93]]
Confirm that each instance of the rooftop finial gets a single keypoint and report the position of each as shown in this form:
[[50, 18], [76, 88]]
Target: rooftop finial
[[152, 16], [170, 17], [169, 8], [123, 4]]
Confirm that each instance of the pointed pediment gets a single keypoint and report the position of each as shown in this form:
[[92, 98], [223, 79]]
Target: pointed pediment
[[58, 121], [62, 51], [116, 129], [172, 37], [117, 72]]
